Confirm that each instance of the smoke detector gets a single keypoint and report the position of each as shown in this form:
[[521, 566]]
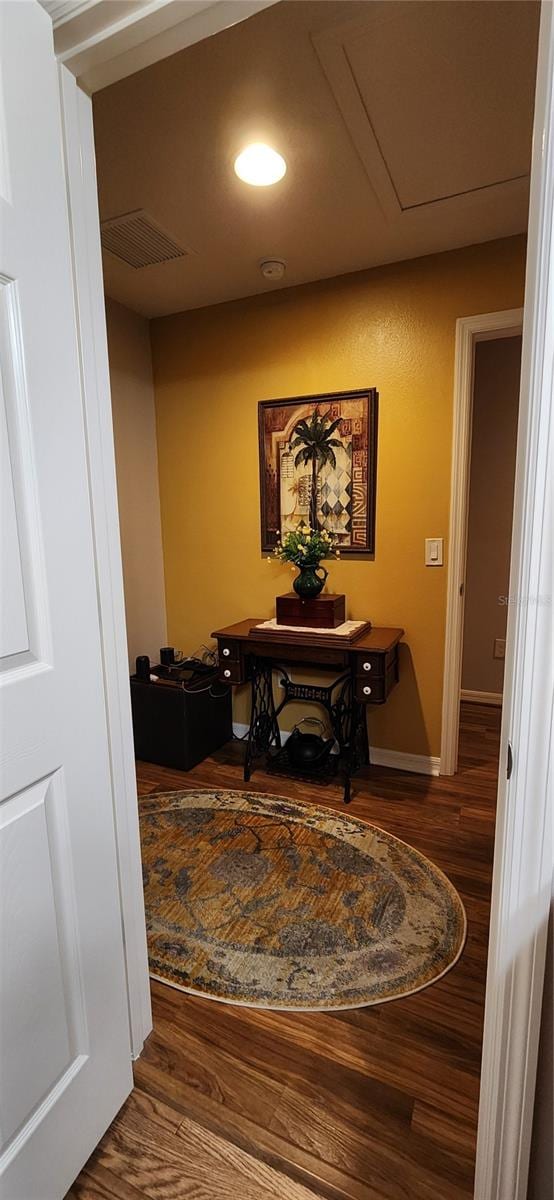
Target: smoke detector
[[273, 269]]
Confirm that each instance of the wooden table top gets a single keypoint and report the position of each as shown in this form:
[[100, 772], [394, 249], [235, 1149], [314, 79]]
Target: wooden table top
[[379, 640]]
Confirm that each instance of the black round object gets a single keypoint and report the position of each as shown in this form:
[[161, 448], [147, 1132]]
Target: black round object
[[142, 667], [307, 749]]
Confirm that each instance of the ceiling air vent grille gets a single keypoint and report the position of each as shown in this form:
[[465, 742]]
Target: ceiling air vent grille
[[137, 239]]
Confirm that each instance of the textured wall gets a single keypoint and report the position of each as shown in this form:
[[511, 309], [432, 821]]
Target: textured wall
[[392, 328], [137, 479], [491, 501]]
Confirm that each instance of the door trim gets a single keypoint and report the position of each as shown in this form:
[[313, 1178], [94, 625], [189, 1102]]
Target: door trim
[[522, 875], [101, 44], [88, 285], [469, 331]]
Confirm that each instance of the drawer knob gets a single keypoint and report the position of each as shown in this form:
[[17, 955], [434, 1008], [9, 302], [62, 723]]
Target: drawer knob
[[226, 651], [227, 674], [367, 666], [367, 691]]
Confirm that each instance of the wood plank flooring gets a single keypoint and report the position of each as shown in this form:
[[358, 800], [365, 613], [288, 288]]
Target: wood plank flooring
[[232, 1103]]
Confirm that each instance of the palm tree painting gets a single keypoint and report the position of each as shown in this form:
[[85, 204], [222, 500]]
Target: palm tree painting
[[318, 464], [315, 444]]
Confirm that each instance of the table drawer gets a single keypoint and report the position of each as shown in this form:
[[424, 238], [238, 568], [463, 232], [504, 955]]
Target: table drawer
[[370, 693], [374, 689], [232, 672], [370, 665], [228, 650]]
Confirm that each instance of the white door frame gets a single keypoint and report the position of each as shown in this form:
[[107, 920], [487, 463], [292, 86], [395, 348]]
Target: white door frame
[[95, 382], [469, 331], [523, 866], [522, 873]]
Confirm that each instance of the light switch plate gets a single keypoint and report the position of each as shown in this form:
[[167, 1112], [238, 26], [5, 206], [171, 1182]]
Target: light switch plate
[[499, 648], [433, 552]]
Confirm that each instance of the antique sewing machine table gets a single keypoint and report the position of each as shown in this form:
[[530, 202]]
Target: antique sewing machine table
[[367, 670]]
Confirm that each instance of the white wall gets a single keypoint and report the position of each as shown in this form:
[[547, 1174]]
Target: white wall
[[137, 480]]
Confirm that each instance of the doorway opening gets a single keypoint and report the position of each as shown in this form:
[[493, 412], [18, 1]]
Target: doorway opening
[[211, 364], [486, 404], [491, 491]]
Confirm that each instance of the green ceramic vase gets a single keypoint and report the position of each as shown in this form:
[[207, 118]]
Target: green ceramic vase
[[309, 583]]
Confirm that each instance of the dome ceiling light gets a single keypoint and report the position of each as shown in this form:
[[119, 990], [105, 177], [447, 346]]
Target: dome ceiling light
[[259, 165]]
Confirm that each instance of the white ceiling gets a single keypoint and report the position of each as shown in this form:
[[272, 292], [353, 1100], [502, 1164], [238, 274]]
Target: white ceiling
[[406, 128]]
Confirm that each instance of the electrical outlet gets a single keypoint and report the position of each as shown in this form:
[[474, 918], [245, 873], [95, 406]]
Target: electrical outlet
[[499, 648]]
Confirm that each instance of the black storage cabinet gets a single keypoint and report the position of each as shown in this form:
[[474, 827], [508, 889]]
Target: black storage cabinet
[[177, 723]]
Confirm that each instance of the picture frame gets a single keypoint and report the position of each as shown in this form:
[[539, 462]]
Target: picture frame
[[346, 487]]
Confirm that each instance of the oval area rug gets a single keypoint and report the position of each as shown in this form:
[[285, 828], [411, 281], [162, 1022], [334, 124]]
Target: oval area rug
[[260, 900]]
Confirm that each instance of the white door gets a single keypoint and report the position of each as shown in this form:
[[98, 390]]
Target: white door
[[65, 1054]]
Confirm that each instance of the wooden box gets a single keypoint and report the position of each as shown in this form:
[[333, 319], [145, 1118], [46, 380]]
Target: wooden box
[[323, 612]]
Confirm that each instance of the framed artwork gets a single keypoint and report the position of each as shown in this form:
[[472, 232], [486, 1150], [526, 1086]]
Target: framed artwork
[[319, 454]]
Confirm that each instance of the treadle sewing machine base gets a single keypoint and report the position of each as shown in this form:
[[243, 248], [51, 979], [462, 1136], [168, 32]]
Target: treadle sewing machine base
[[368, 670]]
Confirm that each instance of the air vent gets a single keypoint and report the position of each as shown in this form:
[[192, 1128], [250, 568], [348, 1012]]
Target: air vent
[[137, 239]]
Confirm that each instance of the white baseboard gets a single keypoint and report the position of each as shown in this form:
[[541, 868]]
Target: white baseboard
[[481, 697], [420, 764], [239, 730]]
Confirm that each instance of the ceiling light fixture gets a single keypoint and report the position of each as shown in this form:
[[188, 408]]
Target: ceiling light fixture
[[259, 165]]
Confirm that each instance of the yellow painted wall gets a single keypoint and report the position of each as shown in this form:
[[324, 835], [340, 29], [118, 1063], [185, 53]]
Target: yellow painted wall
[[390, 328]]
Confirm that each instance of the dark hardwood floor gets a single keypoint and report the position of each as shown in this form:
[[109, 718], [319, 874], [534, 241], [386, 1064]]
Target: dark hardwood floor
[[232, 1103]]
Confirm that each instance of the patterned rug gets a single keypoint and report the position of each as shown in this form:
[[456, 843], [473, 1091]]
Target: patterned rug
[[258, 900]]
